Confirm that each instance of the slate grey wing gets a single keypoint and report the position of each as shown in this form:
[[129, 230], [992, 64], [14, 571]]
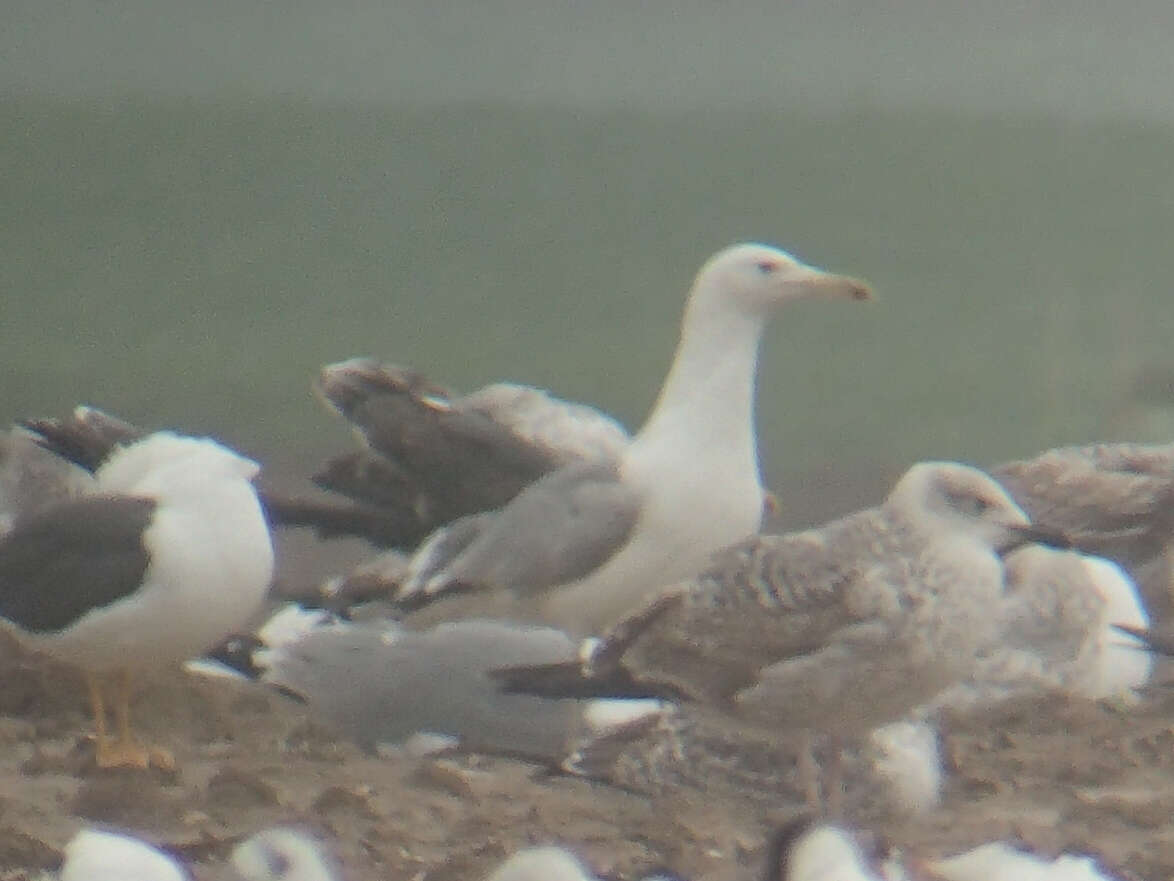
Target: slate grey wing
[[463, 461], [59, 564], [85, 437], [1111, 500], [555, 532]]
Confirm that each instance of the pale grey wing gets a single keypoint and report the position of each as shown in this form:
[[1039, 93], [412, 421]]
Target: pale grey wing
[[379, 683], [556, 531], [1112, 500]]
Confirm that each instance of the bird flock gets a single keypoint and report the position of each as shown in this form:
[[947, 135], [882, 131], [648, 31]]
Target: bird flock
[[546, 587]]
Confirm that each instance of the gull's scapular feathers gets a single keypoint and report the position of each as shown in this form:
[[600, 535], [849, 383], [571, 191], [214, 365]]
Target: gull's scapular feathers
[[589, 542]]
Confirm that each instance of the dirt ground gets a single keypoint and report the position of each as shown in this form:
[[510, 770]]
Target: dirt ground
[[1056, 773]]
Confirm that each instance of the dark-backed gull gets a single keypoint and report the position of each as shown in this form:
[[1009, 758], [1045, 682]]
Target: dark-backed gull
[[167, 555]]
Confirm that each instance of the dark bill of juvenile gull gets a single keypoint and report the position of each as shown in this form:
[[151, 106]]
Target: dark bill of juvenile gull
[[1112, 500], [592, 540], [165, 556], [834, 630], [386, 687]]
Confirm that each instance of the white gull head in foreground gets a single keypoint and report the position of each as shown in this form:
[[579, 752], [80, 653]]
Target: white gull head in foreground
[[168, 555], [94, 855], [589, 541], [281, 855]]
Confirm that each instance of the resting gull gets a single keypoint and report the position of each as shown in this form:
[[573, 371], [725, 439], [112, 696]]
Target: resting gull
[[1110, 500], [590, 540], [95, 855], [385, 687], [805, 851], [162, 559], [281, 854], [835, 630]]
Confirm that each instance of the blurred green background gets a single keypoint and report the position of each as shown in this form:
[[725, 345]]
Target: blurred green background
[[203, 203]]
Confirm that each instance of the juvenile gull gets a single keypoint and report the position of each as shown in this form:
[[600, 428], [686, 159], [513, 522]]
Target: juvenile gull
[[589, 541], [836, 630], [167, 555]]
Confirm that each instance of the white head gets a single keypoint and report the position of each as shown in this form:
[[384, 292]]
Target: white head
[[950, 499], [542, 864], [281, 855], [163, 457], [92, 855], [758, 278], [817, 853]]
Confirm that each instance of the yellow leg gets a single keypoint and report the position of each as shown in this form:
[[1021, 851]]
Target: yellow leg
[[99, 710], [123, 751]]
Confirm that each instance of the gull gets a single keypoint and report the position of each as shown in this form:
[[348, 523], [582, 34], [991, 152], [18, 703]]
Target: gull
[[1111, 500], [95, 855], [833, 630], [386, 687], [281, 854], [164, 556], [589, 541]]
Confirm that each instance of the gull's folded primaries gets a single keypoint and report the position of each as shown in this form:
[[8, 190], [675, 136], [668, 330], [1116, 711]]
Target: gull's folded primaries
[[590, 541], [165, 555]]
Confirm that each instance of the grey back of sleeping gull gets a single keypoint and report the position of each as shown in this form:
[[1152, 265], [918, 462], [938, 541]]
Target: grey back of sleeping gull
[[590, 541], [1111, 500], [382, 685]]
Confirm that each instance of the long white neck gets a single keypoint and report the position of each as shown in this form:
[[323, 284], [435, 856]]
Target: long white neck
[[706, 406]]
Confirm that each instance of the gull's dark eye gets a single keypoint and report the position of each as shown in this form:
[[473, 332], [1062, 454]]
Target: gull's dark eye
[[968, 504], [766, 267]]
